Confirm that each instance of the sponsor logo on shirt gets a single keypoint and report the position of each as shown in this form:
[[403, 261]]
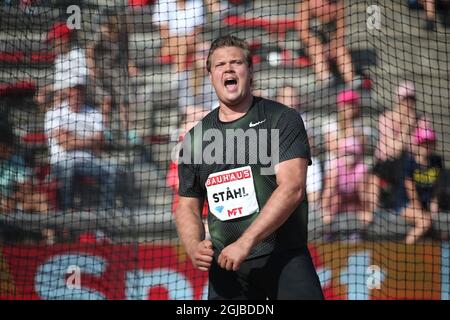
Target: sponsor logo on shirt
[[251, 124], [228, 177]]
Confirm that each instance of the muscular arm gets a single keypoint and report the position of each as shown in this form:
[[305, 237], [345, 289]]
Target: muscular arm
[[291, 180], [192, 232]]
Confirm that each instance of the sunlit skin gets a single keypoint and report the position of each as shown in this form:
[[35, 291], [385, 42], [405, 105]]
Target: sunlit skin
[[231, 77], [325, 11]]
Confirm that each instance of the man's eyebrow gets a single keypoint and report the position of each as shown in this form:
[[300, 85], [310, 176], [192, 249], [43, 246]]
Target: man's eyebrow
[[219, 62], [232, 59]]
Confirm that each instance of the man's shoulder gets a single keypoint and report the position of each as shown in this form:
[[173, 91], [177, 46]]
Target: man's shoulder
[[276, 110]]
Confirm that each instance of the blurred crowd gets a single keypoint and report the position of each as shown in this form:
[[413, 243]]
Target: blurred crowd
[[384, 182]]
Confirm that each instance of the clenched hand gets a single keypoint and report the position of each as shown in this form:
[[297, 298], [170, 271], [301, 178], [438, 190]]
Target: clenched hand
[[202, 255]]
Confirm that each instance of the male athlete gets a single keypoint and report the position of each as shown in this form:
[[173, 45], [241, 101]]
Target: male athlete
[[257, 219]]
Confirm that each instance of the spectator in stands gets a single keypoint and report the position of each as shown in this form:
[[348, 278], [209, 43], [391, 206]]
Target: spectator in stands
[[346, 175], [195, 91], [388, 192], [412, 188], [179, 22], [17, 192], [75, 133], [321, 27], [422, 177], [70, 62], [395, 126], [105, 60], [393, 149]]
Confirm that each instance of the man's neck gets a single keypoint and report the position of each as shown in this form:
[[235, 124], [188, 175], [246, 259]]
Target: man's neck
[[231, 113]]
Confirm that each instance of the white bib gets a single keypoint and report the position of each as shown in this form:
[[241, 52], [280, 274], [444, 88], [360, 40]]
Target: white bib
[[231, 193]]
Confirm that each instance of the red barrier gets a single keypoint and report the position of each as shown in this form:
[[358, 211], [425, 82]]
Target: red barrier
[[102, 271]]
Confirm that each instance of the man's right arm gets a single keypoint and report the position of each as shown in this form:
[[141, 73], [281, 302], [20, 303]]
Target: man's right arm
[[192, 232]]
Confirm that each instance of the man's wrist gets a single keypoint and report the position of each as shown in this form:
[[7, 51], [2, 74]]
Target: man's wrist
[[248, 241], [190, 248]]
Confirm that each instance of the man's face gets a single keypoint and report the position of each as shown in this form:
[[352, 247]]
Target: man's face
[[230, 75]]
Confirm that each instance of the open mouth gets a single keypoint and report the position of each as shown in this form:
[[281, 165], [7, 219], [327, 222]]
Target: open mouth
[[230, 84]]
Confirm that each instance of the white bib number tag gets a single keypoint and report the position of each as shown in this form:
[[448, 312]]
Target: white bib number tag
[[231, 193]]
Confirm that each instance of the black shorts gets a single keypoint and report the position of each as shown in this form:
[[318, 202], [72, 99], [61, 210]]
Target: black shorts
[[288, 275]]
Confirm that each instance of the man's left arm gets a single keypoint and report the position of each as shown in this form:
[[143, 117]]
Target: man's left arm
[[291, 180]]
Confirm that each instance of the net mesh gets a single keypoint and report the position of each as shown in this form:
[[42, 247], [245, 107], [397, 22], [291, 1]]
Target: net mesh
[[95, 97]]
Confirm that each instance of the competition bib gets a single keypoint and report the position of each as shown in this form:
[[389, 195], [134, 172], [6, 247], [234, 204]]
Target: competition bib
[[231, 193]]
